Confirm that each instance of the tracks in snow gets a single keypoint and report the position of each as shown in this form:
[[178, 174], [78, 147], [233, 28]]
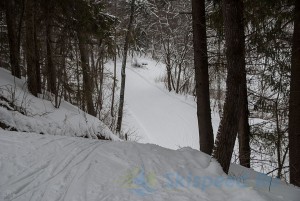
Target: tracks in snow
[[158, 115], [65, 170]]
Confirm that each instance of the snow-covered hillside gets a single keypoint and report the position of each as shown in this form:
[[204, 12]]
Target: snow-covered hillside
[[43, 161], [52, 168], [22, 111]]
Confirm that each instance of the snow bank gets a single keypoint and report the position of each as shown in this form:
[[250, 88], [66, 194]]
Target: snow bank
[[265, 183], [40, 116], [41, 167]]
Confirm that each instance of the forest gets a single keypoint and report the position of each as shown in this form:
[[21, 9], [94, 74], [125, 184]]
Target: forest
[[239, 59]]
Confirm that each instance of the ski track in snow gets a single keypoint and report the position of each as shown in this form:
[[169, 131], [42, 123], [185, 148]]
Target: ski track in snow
[[164, 91], [55, 168], [71, 165], [156, 112], [37, 167]]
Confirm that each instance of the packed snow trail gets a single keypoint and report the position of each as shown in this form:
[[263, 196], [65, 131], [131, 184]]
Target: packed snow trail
[[37, 167], [165, 120], [156, 115]]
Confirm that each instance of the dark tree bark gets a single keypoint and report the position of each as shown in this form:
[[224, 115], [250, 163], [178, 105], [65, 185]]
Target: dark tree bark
[[244, 128], [114, 80], [201, 76], [37, 53], [123, 73], [78, 94], [178, 78], [14, 49], [101, 79], [51, 69], [167, 60], [169, 71], [294, 110], [115, 64], [235, 54], [30, 47], [87, 78]]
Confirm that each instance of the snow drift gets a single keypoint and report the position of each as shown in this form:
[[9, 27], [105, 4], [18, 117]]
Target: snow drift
[[51, 168]]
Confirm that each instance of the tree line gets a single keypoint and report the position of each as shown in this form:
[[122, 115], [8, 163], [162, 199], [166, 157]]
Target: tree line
[[235, 117]]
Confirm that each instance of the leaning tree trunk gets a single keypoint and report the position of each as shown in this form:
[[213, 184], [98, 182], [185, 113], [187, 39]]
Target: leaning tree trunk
[[244, 128], [206, 136], [30, 47], [235, 54], [14, 49], [294, 110], [123, 73], [87, 78]]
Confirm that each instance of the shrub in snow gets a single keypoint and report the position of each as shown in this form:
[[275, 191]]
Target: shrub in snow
[[138, 64]]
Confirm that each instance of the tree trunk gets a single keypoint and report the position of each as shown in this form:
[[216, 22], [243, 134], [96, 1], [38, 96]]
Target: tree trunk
[[278, 140], [123, 73], [294, 110], [235, 54], [114, 80], [51, 69], [37, 52], [115, 64], [244, 128], [169, 71], [218, 69], [101, 77], [178, 78], [201, 76], [30, 48], [14, 49], [87, 78], [78, 94]]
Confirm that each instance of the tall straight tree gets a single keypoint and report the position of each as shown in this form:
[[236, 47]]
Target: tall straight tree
[[235, 55], [14, 49], [30, 46], [294, 110], [87, 78], [36, 48], [51, 68], [123, 72], [201, 76]]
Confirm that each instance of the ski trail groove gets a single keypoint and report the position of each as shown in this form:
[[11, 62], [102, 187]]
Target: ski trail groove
[[50, 170]]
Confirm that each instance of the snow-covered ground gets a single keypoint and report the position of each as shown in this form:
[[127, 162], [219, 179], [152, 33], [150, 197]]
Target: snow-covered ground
[[58, 167], [51, 168], [156, 115], [40, 115]]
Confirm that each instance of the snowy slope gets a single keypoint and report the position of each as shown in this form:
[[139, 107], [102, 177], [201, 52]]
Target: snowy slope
[[158, 116], [47, 167], [40, 115], [265, 183], [51, 168], [169, 120]]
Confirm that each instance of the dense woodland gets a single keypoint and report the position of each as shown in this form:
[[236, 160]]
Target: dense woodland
[[240, 58]]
